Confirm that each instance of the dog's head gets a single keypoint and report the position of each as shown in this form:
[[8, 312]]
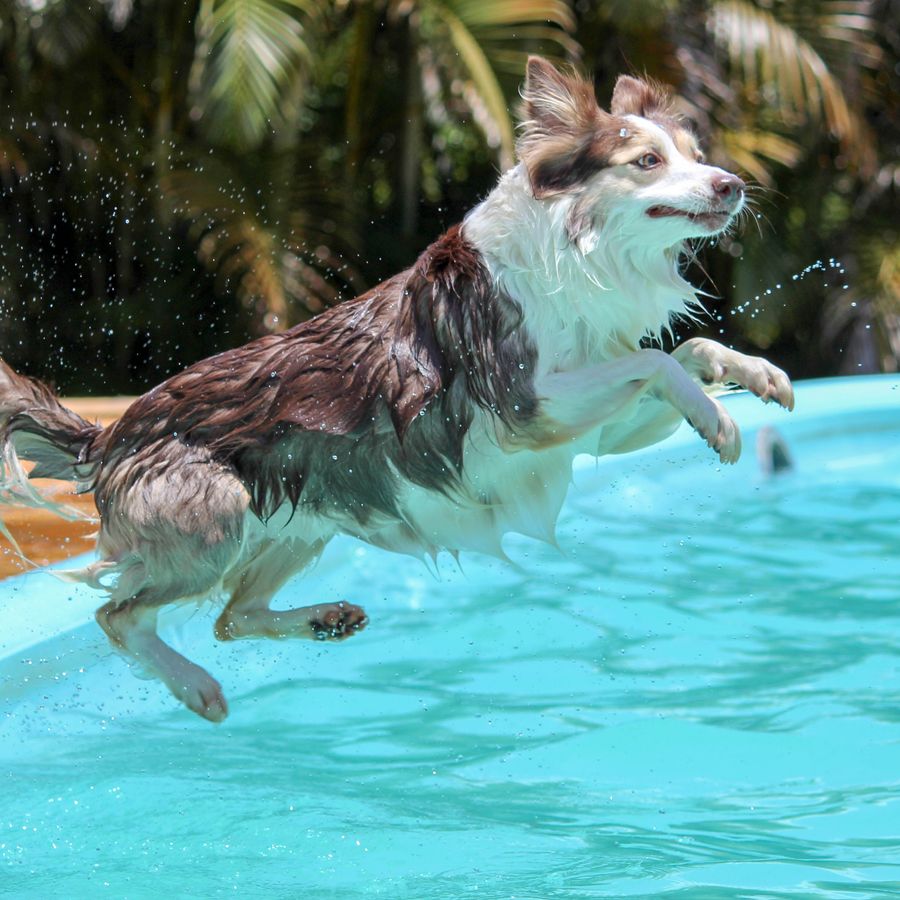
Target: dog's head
[[636, 167]]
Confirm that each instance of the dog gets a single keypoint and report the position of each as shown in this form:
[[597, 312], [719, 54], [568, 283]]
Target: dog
[[438, 411]]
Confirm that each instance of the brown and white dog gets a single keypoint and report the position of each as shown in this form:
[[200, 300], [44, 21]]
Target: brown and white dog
[[438, 411]]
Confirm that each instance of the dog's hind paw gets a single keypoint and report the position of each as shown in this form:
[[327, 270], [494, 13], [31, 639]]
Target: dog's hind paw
[[202, 694], [337, 621]]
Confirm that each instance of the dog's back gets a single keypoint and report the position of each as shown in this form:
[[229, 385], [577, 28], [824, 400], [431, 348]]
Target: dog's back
[[336, 412]]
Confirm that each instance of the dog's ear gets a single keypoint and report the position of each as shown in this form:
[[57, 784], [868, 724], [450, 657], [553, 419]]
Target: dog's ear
[[635, 97], [555, 102], [561, 124]]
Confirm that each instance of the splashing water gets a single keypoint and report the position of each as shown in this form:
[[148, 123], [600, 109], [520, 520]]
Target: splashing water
[[754, 305]]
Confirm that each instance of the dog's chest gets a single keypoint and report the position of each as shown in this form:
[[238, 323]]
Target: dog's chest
[[499, 492]]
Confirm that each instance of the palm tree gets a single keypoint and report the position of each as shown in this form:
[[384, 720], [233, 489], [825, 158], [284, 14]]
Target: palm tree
[[460, 57], [274, 140], [805, 76], [250, 79]]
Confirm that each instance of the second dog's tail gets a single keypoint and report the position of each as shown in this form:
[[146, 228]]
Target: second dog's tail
[[35, 426]]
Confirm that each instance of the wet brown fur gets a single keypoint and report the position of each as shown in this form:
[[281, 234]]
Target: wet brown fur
[[59, 440], [325, 414]]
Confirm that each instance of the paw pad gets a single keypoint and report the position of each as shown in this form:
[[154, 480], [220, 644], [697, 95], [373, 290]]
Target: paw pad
[[339, 621]]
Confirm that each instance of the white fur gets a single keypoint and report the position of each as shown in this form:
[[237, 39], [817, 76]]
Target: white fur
[[594, 277], [587, 296]]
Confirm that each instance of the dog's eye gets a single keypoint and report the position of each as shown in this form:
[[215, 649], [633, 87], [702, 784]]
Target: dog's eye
[[649, 161]]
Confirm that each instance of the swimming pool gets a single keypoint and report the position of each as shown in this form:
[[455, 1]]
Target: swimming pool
[[696, 696]]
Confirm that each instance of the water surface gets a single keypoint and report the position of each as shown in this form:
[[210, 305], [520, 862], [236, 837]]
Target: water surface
[[695, 696]]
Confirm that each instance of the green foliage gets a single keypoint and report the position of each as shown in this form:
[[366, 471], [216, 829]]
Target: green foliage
[[800, 97], [249, 59], [176, 176]]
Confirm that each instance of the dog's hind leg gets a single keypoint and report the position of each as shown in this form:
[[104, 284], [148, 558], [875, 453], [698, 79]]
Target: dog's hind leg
[[174, 566], [172, 528], [248, 614], [131, 628]]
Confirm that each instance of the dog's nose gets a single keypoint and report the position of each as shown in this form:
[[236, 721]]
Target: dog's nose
[[728, 188]]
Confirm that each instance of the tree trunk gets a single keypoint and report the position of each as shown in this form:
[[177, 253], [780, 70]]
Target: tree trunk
[[413, 125]]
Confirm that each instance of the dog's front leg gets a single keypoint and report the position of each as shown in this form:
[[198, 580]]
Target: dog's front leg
[[717, 367], [573, 403]]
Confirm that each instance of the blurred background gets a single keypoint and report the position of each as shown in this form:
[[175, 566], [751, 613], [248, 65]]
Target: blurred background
[[177, 176]]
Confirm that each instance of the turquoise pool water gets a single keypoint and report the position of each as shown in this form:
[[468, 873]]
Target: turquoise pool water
[[697, 696]]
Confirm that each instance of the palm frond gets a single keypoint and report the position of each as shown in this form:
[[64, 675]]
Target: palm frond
[[879, 261], [485, 83], [478, 14], [748, 148], [493, 38], [63, 31], [276, 272], [778, 65], [249, 57]]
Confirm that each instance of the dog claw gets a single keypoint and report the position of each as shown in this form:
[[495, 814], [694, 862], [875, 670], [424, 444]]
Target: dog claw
[[769, 383], [777, 389], [713, 423], [783, 390]]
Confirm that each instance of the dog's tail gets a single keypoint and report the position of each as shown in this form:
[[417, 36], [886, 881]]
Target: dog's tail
[[35, 426]]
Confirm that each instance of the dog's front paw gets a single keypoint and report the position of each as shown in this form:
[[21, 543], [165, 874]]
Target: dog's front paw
[[713, 364], [713, 423], [755, 374]]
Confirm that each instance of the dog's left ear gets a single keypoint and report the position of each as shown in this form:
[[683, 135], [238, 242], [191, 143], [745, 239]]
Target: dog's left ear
[[634, 97]]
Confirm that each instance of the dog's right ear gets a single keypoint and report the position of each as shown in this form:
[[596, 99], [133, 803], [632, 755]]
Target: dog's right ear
[[555, 102], [560, 123]]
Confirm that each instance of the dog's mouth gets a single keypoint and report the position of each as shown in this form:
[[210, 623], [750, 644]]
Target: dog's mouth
[[713, 219]]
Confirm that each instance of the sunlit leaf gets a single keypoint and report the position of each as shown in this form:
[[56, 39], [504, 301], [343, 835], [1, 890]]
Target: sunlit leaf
[[249, 57], [490, 39], [777, 64], [749, 148]]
